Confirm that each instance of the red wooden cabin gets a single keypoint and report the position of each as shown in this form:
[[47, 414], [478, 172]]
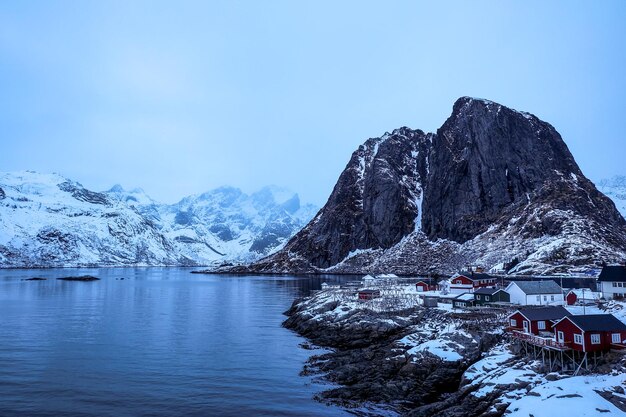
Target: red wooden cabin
[[536, 320], [425, 285], [571, 298], [368, 294], [591, 333], [471, 282]]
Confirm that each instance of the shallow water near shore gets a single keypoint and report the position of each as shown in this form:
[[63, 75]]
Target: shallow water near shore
[[160, 342]]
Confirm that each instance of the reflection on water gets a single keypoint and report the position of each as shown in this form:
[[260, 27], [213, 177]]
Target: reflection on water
[[160, 342]]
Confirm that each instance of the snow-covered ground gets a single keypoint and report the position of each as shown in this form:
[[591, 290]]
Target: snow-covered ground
[[513, 382]]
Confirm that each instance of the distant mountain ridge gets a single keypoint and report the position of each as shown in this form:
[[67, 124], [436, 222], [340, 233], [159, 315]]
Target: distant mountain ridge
[[47, 220], [493, 186], [615, 189]]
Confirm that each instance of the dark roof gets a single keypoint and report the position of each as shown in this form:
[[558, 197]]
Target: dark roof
[[369, 291], [476, 276], [598, 322], [488, 291], [613, 273], [545, 313], [539, 287]]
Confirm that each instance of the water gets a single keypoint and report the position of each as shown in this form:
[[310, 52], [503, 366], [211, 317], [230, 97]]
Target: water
[[161, 342]]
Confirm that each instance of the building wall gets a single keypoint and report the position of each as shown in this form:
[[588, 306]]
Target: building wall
[[569, 329], [516, 294], [609, 291], [545, 299], [571, 299], [520, 319]]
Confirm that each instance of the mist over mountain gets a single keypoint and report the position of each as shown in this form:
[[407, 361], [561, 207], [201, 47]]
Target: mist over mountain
[[48, 220]]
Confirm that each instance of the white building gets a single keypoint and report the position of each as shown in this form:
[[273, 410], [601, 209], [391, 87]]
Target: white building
[[612, 282], [547, 293]]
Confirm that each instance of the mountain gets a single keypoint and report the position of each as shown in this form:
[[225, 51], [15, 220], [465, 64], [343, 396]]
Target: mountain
[[48, 220], [493, 187], [615, 189]]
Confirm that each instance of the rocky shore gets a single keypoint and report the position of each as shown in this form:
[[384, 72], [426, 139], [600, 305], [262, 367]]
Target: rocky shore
[[430, 362]]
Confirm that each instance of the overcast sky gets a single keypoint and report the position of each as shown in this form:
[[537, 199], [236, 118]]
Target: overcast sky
[[179, 97]]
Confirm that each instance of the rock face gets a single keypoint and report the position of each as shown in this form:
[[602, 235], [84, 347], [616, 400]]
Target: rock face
[[50, 221], [492, 185]]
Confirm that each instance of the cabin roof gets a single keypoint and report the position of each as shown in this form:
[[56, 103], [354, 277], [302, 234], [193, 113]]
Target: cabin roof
[[487, 291], [369, 291], [539, 287], [475, 276], [598, 322], [544, 313], [465, 297], [587, 294], [613, 274]]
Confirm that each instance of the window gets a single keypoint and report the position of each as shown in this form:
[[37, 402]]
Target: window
[[595, 339], [620, 284], [538, 298], [545, 298], [458, 281], [478, 297], [541, 325], [552, 298], [486, 298], [578, 339], [614, 284], [513, 323], [616, 338]]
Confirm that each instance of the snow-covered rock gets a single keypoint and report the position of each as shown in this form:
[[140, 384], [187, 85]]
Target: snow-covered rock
[[48, 220], [615, 189]]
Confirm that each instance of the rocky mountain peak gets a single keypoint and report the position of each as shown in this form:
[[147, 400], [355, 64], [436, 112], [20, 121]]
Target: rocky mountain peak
[[414, 202]]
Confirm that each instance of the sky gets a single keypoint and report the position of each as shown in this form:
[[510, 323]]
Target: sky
[[181, 97]]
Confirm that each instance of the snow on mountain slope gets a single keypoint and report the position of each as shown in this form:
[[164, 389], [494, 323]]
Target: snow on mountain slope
[[615, 189], [48, 220], [230, 223]]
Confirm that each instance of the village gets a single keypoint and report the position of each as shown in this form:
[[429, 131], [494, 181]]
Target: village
[[568, 329]]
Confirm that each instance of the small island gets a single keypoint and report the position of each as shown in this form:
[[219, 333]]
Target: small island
[[80, 278]]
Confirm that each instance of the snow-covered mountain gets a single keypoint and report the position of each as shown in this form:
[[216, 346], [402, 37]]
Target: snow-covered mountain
[[48, 220], [615, 189], [492, 186]]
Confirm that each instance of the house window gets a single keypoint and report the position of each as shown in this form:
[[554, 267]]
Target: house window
[[486, 298], [545, 298], [541, 325], [513, 323], [578, 339], [552, 298], [538, 298], [458, 281], [595, 339], [620, 284], [616, 338], [478, 297], [614, 284]]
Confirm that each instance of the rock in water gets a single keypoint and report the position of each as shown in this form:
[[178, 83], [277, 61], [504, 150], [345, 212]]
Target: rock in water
[[490, 186], [80, 278]]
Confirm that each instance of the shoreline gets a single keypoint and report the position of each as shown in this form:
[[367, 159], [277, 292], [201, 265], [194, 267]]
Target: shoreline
[[422, 362]]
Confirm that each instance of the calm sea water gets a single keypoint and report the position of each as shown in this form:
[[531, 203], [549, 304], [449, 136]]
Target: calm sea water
[[161, 342]]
